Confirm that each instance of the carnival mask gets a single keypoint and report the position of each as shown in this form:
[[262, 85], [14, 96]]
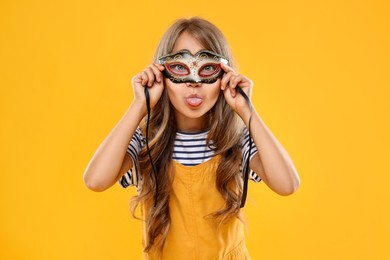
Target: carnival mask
[[182, 66]]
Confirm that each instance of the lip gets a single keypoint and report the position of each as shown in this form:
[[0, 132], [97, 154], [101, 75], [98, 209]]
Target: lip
[[194, 100]]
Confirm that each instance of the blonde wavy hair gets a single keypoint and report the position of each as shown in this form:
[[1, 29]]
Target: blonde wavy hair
[[162, 132]]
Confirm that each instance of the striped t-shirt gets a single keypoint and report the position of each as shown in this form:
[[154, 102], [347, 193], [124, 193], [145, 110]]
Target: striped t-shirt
[[189, 149]]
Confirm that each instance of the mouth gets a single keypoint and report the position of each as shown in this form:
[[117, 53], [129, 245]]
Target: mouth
[[194, 100]]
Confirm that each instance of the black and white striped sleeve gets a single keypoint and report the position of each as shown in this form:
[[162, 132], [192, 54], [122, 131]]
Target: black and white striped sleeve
[[131, 177], [245, 150]]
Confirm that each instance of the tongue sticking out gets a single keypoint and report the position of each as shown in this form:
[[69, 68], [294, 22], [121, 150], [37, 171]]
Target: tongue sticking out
[[194, 101]]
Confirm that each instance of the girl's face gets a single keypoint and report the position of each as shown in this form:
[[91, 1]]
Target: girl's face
[[191, 100]]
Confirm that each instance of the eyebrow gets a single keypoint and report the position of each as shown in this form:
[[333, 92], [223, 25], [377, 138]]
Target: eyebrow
[[161, 58], [191, 52]]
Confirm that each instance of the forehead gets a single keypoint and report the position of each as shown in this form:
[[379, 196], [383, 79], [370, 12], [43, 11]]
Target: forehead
[[187, 41]]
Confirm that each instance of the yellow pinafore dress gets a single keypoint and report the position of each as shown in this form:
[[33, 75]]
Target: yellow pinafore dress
[[191, 235]]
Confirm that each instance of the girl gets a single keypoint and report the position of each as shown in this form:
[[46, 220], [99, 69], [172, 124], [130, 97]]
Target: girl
[[191, 187]]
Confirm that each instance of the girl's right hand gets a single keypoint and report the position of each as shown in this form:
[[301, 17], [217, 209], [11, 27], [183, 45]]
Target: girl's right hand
[[152, 78]]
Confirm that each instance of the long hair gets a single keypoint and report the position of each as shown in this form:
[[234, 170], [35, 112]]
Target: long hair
[[162, 132]]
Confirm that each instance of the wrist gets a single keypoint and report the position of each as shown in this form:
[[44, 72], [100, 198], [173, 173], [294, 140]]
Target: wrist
[[138, 108], [246, 121], [245, 117]]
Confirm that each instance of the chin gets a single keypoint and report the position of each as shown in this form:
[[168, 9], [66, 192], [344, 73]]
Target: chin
[[195, 114], [191, 114]]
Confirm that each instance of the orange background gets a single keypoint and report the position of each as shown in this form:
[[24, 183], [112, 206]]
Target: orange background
[[320, 70]]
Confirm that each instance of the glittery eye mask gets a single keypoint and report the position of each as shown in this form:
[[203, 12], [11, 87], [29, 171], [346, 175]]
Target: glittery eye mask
[[182, 66]]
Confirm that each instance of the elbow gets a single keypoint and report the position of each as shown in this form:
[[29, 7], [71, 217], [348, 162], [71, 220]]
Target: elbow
[[292, 188], [94, 187], [289, 191], [93, 184]]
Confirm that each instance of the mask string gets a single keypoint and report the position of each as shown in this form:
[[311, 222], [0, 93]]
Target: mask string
[[246, 175], [147, 143]]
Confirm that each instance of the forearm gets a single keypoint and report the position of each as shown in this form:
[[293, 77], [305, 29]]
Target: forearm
[[274, 165], [104, 167]]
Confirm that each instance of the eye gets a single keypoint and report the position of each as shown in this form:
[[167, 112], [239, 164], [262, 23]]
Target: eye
[[179, 69], [209, 70]]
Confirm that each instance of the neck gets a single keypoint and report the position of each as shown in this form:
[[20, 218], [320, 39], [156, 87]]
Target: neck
[[190, 125]]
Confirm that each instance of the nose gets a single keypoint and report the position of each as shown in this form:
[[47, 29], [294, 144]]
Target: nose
[[193, 84]]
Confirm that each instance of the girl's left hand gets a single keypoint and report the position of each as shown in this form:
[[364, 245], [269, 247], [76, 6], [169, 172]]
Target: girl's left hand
[[236, 101]]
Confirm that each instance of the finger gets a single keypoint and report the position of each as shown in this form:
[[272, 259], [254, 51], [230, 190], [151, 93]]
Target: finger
[[150, 73], [232, 86], [160, 67], [244, 83], [137, 78], [234, 82], [238, 79], [225, 79], [226, 68], [157, 72], [144, 78]]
